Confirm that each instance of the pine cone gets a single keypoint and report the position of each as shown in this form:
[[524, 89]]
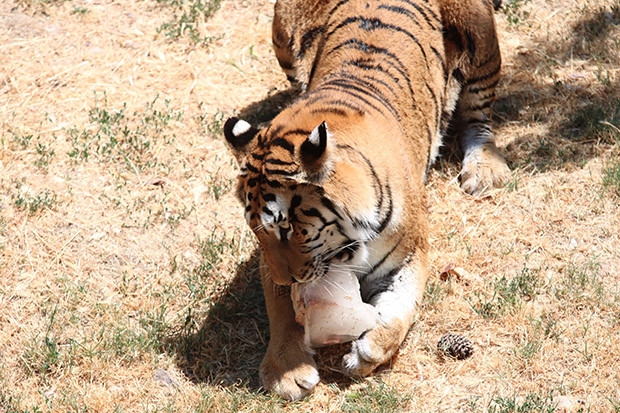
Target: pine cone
[[455, 346]]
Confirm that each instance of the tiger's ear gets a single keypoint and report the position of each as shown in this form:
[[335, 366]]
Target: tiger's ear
[[240, 135], [314, 154]]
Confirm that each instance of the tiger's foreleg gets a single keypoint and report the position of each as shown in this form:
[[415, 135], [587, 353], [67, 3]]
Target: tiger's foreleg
[[288, 368], [397, 305]]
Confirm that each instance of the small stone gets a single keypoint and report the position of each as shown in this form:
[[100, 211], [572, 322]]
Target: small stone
[[165, 378], [567, 404], [455, 346]]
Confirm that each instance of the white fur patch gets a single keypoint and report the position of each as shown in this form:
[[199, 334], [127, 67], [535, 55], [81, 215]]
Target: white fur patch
[[314, 137], [241, 127]]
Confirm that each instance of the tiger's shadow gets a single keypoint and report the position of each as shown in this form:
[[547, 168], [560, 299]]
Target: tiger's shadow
[[227, 347], [263, 111], [230, 343]]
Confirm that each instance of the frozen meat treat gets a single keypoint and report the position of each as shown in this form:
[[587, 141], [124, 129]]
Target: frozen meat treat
[[331, 309]]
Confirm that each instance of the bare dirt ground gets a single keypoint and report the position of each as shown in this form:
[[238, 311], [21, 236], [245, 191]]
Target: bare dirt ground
[[128, 280]]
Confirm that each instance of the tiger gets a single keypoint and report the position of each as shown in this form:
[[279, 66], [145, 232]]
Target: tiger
[[336, 181]]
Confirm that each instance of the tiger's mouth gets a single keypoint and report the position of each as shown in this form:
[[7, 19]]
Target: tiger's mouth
[[342, 259], [347, 253]]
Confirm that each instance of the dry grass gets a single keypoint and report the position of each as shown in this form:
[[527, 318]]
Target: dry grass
[[128, 279]]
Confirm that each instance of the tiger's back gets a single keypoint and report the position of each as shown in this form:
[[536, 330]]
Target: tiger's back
[[336, 180], [383, 58]]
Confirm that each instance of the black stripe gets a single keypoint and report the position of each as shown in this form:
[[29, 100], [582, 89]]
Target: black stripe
[[310, 249], [313, 212], [441, 60], [384, 258], [337, 6], [335, 111], [384, 191], [269, 197], [482, 78], [390, 210], [308, 39], [457, 74], [283, 143], [366, 88], [366, 65], [252, 168], [471, 44], [326, 101], [438, 108], [353, 94], [367, 48], [273, 161], [370, 24], [274, 184], [483, 88], [428, 14], [331, 207], [401, 10], [280, 172], [485, 105], [295, 202]]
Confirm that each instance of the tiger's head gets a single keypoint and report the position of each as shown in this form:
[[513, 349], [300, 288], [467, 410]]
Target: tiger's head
[[312, 203]]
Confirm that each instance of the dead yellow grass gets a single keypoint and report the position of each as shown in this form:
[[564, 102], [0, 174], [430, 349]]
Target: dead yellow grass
[[132, 287]]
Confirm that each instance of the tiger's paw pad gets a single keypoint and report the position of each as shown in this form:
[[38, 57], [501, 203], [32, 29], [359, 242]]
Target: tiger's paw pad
[[483, 169], [367, 353], [292, 384]]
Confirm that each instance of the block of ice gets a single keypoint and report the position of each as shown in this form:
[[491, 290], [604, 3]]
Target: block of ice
[[331, 309]]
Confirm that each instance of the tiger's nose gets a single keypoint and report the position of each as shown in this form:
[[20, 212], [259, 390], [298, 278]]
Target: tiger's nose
[[284, 231]]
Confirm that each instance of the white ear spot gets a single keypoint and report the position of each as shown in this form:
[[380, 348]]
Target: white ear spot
[[314, 137], [241, 127]]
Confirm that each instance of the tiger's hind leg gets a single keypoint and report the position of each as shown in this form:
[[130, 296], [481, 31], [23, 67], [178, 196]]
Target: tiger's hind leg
[[483, 165], [473, 49]]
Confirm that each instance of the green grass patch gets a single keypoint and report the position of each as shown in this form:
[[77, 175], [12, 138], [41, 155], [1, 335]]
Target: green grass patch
[[611, 178], [35, 202], [376, 397], [214, 124], [9, 404], [119, 135], [508, 294], [583, 285], [80, 10], [55, 350], [188, 19], [516, 12], [531, 403], [436, 291]]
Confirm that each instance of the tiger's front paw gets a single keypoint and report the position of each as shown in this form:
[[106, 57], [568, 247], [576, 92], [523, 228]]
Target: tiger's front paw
[[371, 350], [484, 168], [290, 373]]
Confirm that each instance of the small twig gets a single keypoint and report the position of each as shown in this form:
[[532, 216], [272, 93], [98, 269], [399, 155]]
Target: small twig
[[604, 122]]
